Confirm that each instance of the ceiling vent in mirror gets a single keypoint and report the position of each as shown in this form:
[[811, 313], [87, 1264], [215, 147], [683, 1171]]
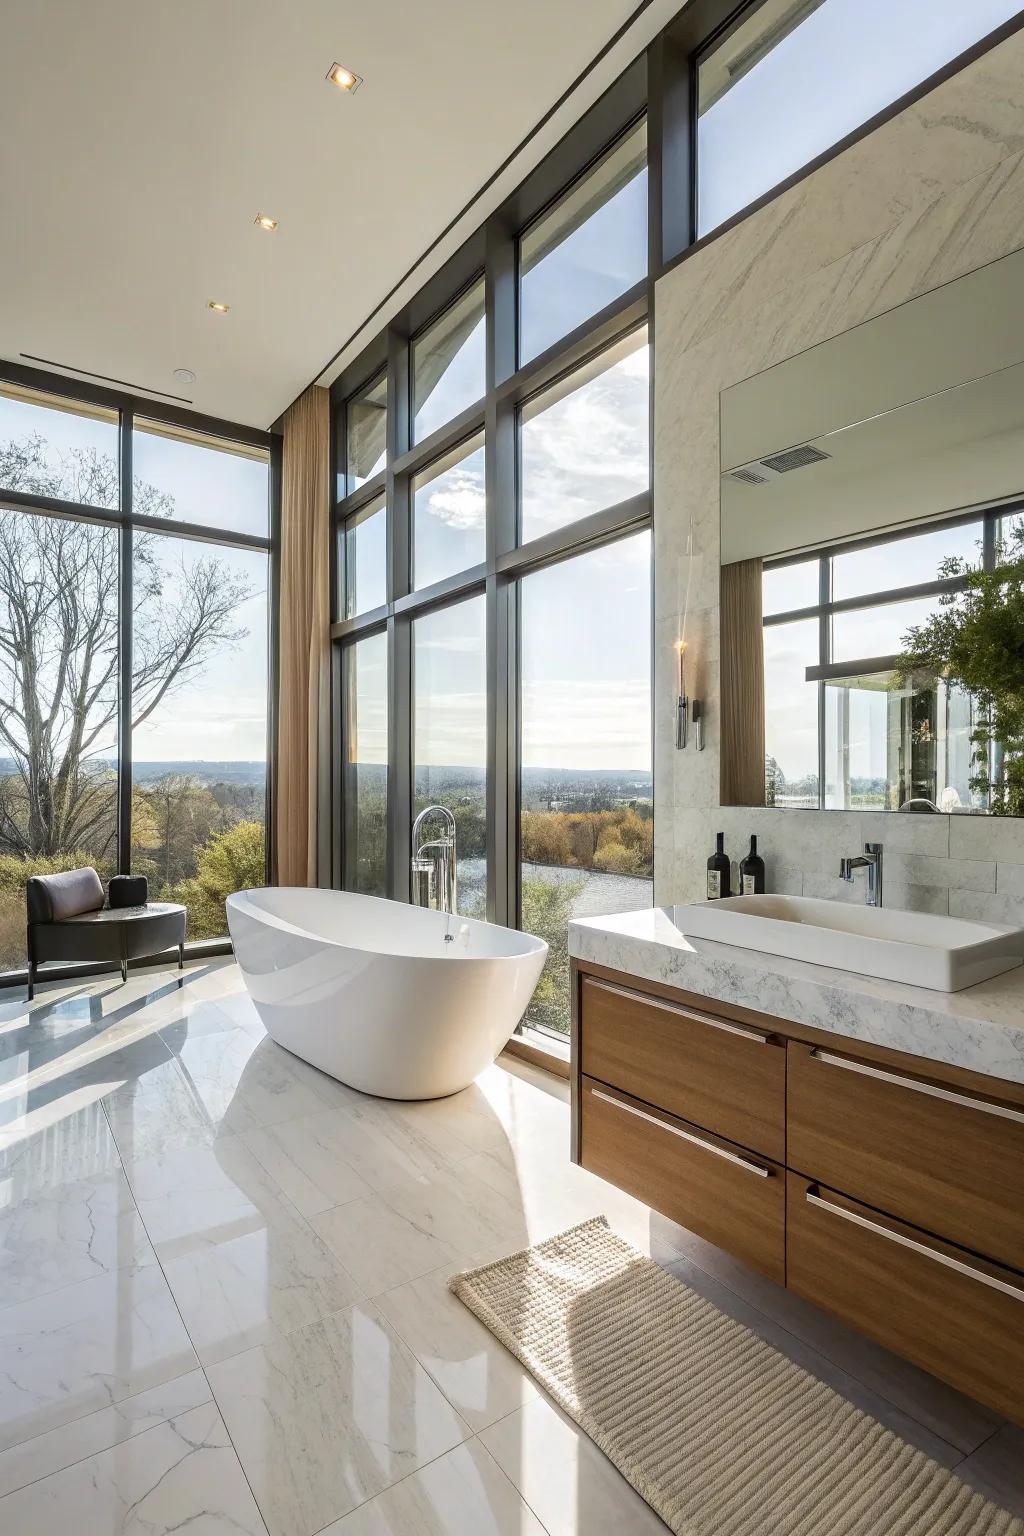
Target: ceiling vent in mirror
[[748, 476], [794, 458]]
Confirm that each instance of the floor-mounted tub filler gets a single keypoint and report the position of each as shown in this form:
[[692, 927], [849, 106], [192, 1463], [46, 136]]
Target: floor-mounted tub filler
[[392, 999]]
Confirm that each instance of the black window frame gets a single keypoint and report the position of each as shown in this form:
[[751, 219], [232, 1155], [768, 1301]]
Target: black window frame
[[124, 521], [495, 418]]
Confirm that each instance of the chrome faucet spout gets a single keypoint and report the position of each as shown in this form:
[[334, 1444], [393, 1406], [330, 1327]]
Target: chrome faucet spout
[[871, 860]]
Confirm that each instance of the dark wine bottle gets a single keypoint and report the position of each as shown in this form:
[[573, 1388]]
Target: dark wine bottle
[[752, 872], [718, 870]]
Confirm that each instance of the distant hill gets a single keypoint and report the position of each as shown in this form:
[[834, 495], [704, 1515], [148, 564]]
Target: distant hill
[[252, 773], [206, 772]]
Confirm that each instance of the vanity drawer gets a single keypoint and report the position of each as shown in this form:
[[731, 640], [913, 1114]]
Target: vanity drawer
[[938, 1157], [727, 1077], [955, 1315], [704, 1183]]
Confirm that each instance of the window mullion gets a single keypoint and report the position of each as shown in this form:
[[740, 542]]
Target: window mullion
[[500, 458], [126, 607]]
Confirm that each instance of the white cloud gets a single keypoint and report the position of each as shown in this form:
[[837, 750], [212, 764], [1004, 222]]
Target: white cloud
[[459, 501]]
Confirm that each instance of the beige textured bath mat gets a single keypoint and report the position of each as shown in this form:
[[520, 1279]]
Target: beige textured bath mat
[[718, 1431]]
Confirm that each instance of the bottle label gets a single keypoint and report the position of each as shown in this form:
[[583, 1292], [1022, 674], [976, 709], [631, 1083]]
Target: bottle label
[[749, 885], [714, 884]]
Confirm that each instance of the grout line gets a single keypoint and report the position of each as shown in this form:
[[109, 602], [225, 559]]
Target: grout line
[[117, 1444], [201, 1367]]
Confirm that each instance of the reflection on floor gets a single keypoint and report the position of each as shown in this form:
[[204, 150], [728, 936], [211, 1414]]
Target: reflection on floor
[[223, 1303]]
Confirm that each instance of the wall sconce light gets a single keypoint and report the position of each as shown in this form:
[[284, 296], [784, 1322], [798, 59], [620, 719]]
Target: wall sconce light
[[687, 710]]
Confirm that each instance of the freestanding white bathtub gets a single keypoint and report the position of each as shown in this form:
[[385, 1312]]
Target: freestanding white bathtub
[[394, 1000]]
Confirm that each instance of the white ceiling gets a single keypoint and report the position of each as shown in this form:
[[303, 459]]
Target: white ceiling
[[139, 139]]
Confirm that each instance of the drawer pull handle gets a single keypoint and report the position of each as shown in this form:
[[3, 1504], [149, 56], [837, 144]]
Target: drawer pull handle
[[922, 1248], [755, 1036], [947, 1094], [673, 1130]]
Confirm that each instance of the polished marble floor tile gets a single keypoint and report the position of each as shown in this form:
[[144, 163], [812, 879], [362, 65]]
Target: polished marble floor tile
[[481, 1378], [329, 1417], [254, 1288], [570, 1485], [197, 1016], [377, 1141], [378, 1247], [245, 1084], [73, 1351], [305, 1157], [238, 1009], [69, 1232], [179, 1476], [158, 1114], [94, 1069], [278, 1200], [461, 1494], [65, 1141], [195, 1198], [58, 1448], [470, 1214], [550, 1194]]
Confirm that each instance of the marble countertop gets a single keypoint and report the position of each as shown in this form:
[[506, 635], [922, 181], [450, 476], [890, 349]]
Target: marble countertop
[[981, 1028]]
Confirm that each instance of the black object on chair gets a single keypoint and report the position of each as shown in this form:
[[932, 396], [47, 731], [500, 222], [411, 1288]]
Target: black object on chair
[[67, 921], [127, 890]]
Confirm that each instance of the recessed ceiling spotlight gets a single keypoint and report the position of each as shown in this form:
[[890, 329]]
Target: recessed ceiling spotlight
[[266, 222], [184, 375], [344, 78], [217, 307]]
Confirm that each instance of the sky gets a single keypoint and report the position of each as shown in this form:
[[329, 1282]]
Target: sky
[[585, 637], [586, 623], [847, 61], [219, 715]]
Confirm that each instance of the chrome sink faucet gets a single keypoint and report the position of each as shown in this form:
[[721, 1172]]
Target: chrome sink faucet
[[871, 860], [434, 862]]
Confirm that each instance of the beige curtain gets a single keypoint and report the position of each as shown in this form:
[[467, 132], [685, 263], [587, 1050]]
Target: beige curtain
[[742, 646], [304, 643]]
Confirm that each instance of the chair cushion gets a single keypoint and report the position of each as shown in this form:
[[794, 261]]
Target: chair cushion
[[52, 898]]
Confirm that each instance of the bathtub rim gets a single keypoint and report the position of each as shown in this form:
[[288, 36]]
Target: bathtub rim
[[533, 945]]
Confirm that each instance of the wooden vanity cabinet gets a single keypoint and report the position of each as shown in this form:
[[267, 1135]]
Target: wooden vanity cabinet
[[727, 1077], [942, 1158], [732, 1197], [885, 1188]]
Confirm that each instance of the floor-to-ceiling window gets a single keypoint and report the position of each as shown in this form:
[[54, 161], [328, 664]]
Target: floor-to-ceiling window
[[491, 541], [586, 794], [134, 600], [493, 568], [449, 734]]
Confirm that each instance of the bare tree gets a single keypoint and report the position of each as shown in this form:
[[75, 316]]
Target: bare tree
[[59, 631]]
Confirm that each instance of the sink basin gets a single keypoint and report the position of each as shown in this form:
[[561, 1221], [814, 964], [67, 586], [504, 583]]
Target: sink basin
[[945, 954]]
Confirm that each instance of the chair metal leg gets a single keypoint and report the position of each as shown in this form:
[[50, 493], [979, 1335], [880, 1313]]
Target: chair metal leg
[[181, 963], [31, 981], [124, 971]]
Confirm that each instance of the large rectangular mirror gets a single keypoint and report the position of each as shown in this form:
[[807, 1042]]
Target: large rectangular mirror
[[873, 563]]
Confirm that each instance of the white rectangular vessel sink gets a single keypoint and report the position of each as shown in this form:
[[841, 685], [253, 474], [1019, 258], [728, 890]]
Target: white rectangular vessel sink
[[945, 954]]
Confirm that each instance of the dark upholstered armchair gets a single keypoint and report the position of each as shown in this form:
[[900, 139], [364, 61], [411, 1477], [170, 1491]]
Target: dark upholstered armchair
[[68, 920]]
